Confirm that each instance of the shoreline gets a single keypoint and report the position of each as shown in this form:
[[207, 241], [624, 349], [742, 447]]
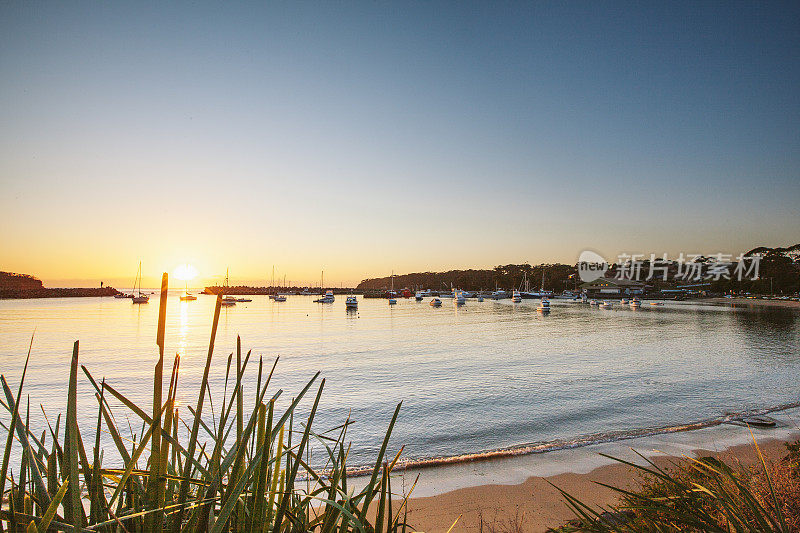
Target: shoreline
[[752, 302], [500, 489]]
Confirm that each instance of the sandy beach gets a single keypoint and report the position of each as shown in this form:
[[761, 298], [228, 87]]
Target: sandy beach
[[535, 504]]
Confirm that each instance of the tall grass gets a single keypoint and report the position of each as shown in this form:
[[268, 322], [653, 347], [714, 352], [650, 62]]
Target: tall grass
[[171, 480], [704, 494]]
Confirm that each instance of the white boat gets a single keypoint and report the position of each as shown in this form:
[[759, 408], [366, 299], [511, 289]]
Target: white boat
[[279, 298], [123, 295], [139, 298], [624, 301], [605, 305], [592, 302], [516, 297], [458, 297], [499, 294], [436, 302], [328, 298], [392, 299], [544, 306], [186, 297], [418, 296], [351, 302]]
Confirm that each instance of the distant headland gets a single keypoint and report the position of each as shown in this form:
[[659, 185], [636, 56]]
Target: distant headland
[[14, 285]]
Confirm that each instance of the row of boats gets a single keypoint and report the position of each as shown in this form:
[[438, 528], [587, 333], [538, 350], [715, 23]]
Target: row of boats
[[634, 303]]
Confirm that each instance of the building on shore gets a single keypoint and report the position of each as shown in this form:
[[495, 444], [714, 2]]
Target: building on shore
[[613, 288]]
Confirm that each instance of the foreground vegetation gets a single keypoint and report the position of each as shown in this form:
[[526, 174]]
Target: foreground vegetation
[[179, 473], [703, 494]]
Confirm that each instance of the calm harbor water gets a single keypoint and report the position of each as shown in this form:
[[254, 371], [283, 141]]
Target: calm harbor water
[[476, 378]]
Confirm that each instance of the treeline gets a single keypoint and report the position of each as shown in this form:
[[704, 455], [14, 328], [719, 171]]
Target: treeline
[[557, 277], [778, 273]]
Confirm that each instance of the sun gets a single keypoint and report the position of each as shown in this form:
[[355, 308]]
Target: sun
[[184, 272]]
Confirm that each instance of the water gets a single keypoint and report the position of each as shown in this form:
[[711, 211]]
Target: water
[[481, 377]]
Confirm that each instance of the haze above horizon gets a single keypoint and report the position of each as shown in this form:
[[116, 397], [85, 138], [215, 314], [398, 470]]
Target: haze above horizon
[[364, 138]]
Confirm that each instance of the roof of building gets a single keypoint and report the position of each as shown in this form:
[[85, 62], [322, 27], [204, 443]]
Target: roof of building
[[612, 282]]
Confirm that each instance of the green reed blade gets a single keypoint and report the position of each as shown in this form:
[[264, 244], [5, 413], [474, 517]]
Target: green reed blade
[[14, 415], [184, 488], [72, 504], [50, 513], [369, 491]]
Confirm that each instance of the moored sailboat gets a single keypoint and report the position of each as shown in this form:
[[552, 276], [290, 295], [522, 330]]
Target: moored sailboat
[[139, 298]]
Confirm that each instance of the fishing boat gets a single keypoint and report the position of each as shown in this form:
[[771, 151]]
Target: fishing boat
[[139, 298], [351, 302], [516, 297], [436, 302]]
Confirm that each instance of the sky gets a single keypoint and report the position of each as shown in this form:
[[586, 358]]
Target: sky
[[362, 138]]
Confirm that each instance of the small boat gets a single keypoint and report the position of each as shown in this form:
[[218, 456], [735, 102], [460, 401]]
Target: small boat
[[480, 298], [458, 298], [761, 421], [327, 299], [656, 303], [186, 297], [605, 305], [635, 303], [139, 298], [123, 295], [544, 306], [499, 294], [624, 301], [392, 299], [228, 301], [418, 296], [516, 297], [351, 302], [436, 302], [279, 298], [592, 302]]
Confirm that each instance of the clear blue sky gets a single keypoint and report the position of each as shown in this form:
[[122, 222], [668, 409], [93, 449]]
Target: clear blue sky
[[364, 137]]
